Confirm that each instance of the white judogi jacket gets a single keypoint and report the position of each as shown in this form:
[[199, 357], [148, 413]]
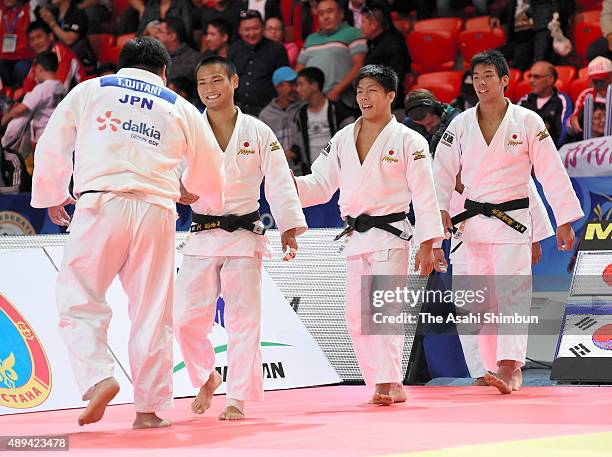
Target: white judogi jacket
[[396, 170], [500, 172], [253, 153], [129, 133]]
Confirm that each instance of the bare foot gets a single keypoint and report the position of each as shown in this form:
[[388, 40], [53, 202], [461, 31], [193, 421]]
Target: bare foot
[[382, 395], [204, 397], [501, 380], [149, 420], [517, 380], [99, 397], [398, 394], [231, 413]]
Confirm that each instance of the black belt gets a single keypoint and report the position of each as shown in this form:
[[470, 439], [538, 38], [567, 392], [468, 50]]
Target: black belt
[[91, 192], [365, 222], [229, 223], [497, 210]]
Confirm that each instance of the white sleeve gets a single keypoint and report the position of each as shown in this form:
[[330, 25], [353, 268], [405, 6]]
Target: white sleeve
[[280, 190], [205, 174], [446, 165], [541, 227], [319, 186], [419, 176], [551, 173], [53, 155]]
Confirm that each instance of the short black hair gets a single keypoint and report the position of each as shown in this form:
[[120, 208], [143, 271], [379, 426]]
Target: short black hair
[[39, 25], [245, 15], [176, 25], [385, 76], [107, 67], [145, 53], [223, 25], [47, 60], [313, 75], [229, 66], [492, 57], [380, 12]]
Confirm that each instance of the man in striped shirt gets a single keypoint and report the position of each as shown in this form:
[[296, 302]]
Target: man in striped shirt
[[338, 50]]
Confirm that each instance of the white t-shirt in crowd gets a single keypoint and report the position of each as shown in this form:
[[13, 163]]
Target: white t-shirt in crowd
[[318, 131], [42, 101]]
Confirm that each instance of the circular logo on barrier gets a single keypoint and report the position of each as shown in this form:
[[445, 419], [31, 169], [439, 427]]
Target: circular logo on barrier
[[25, 373], [602, 338], [12, 223], [607, 275]]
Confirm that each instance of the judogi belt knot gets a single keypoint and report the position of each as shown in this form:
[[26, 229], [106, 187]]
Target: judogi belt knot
[[497, 210], [229, 223], [365, 222]]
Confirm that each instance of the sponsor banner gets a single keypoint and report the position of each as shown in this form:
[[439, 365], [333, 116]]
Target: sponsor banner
[[35, 372], [597, 236], [592, 157], [290, 356]]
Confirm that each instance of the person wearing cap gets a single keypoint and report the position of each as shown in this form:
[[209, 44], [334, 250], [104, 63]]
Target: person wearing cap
[[428, 116], [600, 74], [552, 106], [280, 112], [255, 58]]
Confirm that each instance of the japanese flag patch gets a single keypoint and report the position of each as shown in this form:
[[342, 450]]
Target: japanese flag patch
[[390, 154]]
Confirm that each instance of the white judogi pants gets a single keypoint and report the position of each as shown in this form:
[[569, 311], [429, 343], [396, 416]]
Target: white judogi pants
[[505, 260], [379, 356], [121, 235], [200, 282]]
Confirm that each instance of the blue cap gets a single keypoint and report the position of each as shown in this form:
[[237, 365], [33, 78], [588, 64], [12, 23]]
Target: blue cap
[[283, 74]]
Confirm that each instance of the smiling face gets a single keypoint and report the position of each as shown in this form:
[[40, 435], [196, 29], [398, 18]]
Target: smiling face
[[215, 38], [487, 83], [251, 31], [372, 99], [215, 89]]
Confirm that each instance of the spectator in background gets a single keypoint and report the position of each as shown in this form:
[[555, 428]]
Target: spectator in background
[[152, 10], [600, 73], [267, 8], [216, 39], [428, 116], [386, 45], [225, 9], [15, 54], [274, 30], [552, 106], [69, 72], [353, 12], [529, 39], [467, 95], [603, 46], [37, 105], [599, 120], [337, 49], [184, 59], [70, 26], [182, 86], [280, 112], [316, 122], [97, 11], [255, 58]]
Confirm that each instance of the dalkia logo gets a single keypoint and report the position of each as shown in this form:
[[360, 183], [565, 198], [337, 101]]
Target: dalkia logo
[[142, 128], [25, 373]]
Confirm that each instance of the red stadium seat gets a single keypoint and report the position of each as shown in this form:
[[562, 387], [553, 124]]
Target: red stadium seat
[[480, 22], [431, 51], [577, 86], [520, 90], [452, 77], [451, 25], [561, 86], [444, 92], [585, 33], [583, 73], [566, 74], [515, 77], [109, 55], [588, 16], [122, 39], [471, 42], [101, 41]]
